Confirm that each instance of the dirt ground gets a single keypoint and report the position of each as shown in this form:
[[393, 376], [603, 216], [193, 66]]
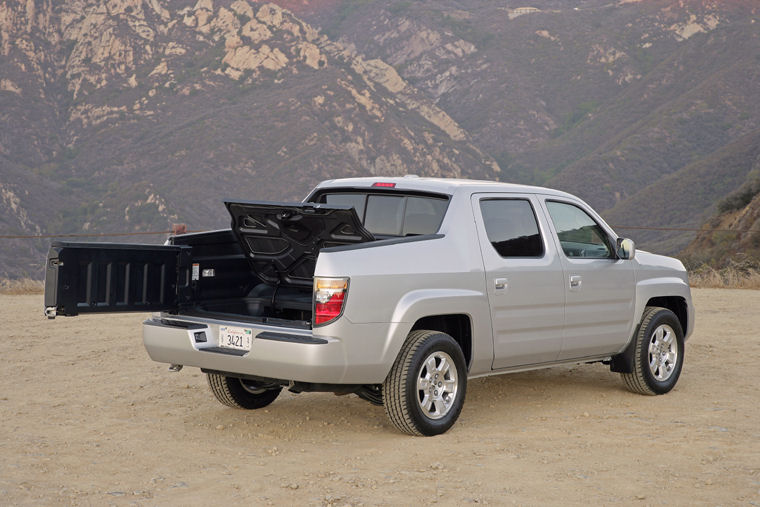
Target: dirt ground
[[88, 419]]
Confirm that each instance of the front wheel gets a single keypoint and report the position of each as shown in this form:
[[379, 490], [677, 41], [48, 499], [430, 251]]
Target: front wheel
[[658, 353], [239, 393], [425, 389]]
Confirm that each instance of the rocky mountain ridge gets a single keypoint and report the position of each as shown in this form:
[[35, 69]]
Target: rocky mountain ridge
[[136, 114], [130, 115]]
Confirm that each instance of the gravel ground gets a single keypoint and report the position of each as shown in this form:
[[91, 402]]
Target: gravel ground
[[88, 419]]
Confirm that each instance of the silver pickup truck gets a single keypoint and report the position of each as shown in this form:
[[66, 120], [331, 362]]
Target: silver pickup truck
[[396, 289]]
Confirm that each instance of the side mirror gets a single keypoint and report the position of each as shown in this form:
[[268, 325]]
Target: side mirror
[[626, 249]]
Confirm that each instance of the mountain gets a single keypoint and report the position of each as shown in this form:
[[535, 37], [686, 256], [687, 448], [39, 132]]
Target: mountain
[[613, 101], [686, 198], [733, 234], [130, 115]]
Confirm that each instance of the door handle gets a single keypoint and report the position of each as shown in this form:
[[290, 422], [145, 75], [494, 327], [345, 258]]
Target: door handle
[[575, 282], [500, 283]]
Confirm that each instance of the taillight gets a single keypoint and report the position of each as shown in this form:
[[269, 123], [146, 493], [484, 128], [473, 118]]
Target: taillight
[[329, 297], [384, 184]]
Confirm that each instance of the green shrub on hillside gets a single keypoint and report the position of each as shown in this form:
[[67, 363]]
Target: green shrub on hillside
[[739, 199]]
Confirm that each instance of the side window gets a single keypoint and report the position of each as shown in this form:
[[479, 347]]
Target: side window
[[511, 227], [579, 234]]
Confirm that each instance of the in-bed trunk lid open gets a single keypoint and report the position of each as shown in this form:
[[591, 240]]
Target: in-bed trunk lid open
[[282, 241]]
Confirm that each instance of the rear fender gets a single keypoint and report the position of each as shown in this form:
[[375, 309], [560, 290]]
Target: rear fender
[[417, 304]]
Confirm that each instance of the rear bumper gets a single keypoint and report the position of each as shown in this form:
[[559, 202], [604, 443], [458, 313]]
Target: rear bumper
[[276, 352]]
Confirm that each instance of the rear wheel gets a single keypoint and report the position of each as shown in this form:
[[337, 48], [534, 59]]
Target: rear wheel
[[425, 389], [239, 393], [658, 353]]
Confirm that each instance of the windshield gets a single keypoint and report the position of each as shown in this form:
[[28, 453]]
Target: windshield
[[393, 214]]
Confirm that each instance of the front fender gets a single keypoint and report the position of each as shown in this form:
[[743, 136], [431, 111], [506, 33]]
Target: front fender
[[646, 290], [663, 287]]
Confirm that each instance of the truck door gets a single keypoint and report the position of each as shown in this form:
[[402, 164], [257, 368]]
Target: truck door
[[524, 279], [110, 278], [599, 287]]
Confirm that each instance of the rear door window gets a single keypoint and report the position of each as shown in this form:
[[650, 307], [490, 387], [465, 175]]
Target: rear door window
[[512, 228]]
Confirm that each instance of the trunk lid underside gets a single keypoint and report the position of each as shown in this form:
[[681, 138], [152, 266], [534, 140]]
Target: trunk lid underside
[[282, 241]]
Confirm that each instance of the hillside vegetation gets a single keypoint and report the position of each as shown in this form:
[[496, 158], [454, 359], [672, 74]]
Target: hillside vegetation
[[647, 110], [731, 239]]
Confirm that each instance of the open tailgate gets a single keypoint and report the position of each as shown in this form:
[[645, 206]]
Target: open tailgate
[[110, 277]]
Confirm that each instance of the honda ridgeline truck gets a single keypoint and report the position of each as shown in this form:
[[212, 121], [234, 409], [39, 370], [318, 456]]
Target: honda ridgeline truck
[[396, 289]]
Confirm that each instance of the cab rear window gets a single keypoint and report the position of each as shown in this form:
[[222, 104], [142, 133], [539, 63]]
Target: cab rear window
[[393, 213]]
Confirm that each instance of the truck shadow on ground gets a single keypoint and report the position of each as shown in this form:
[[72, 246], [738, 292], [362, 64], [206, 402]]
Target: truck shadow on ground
[[514, 396]]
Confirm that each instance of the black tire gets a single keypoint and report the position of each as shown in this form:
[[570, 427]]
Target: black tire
[[652, 376], [401, 396], [239, 393]]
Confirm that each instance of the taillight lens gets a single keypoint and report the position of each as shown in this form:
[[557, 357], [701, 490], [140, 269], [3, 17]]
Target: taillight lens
[[329, 297]]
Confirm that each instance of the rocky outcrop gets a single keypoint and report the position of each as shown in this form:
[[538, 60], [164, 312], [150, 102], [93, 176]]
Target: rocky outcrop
[[127, 115]]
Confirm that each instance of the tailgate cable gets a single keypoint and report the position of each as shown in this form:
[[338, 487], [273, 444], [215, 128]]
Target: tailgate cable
[[274, 295]]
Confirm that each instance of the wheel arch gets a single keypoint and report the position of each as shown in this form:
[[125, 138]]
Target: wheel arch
[[675, 304], [672, 293], [462, 314], [623, 361], [458, 326]]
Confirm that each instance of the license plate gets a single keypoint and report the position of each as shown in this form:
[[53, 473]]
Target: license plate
[[237, 338]]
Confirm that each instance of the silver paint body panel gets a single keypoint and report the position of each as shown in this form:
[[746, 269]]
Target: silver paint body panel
[[534, 322]]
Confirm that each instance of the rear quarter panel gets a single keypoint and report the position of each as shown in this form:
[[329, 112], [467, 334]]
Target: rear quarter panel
[[392, 286]]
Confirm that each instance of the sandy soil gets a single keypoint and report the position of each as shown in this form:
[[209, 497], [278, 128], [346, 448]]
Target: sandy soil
[[88, 419]]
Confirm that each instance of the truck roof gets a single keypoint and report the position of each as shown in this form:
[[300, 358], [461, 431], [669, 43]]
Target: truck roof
[[438, 185]]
